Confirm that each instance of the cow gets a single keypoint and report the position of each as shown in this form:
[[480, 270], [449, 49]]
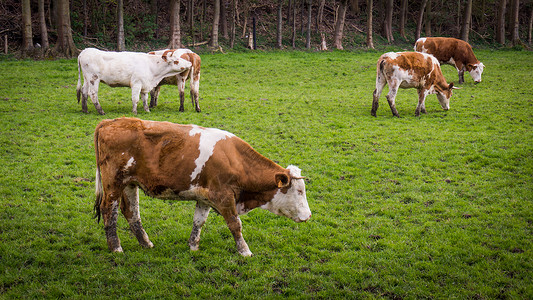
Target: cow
[[187, 162], [140, 71], [411, 70], [193, 74], [457, 53]]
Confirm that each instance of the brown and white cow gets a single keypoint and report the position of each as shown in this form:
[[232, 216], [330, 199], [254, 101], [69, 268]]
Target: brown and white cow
[[455, 52], [187, 162], [140, 71], [411, 70], [193, 74]]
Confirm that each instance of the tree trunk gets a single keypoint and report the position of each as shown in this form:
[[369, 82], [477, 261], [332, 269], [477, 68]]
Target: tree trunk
[[515, 38], [309, 15], [355, 6], [389, 5], [294, 25], [428, 18], [27, 34], [500, 27], [216, 19], [369, 39], [465, 30], [530, 26], [85, 18], [42, 22], [190, 19], [320, 15], [420, 19], [65, 44], [403, 16], [280, 24], [121, 45], [223, 19], [339, 26], [233, 23], [153, 12], [175, 30]]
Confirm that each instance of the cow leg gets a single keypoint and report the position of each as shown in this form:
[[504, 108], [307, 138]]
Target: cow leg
[[84, 96], [200, 216], [93, 93], [461, 76], [109, 210], [195, 87], [135, 93], [130, 209], [154, 94], [391, 96], [181, 88], [421, 102], [380, 84], [144, 97], [235, 226]]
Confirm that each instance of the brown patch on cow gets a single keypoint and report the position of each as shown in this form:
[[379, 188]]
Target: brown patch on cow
[[166, 54]]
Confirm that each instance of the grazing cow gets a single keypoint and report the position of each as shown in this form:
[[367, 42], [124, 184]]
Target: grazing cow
[[193, 73], [411, 70], [140, 71], [457, 53], [186, 162]]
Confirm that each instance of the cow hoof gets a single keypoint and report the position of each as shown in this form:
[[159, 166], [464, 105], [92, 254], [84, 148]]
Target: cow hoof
[[117, 250], [198, 110], [247, 253], [148, 245], [194, 247]]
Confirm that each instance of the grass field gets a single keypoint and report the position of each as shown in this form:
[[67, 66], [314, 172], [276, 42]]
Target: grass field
[[438, 206]]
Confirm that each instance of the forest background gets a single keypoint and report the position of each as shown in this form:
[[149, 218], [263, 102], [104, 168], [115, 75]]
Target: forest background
[[59, 28]]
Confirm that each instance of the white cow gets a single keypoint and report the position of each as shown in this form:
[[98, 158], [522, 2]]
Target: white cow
[[140, 71]]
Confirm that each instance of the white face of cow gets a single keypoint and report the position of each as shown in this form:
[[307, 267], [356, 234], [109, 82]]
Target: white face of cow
[[444, 97], [293, 203], [476, 71]]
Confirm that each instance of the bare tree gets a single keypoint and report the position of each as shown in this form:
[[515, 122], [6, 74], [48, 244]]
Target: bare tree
[[308, 39], [190, 18], [369, 38], [223, 19], [293, 39], [233, 23], [216, 20], [27, 34], [403, 17], [42, 24], [121, 45], [339, 26], [428, 18], [387, 25], [530, 26], [355, 6], [515, 38], [65, 44], [280, 24], [175, 30], [500, 26], [467, 18], [320, 15], [420, 19], [153, 12]]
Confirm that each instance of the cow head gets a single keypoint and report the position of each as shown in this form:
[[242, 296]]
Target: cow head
[[475, 71], [444, 95], [290, 199], [177, 63]]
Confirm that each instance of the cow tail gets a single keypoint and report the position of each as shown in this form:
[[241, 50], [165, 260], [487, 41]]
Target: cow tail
[[381, 68], [99, 191], [78, 87]]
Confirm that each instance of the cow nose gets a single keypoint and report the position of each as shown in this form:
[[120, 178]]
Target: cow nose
[[304, 220]]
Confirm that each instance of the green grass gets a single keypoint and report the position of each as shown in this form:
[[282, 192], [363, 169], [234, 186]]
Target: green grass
[[438, 206]]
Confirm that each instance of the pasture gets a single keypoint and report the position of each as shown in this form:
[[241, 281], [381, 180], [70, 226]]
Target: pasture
[[439, 206]]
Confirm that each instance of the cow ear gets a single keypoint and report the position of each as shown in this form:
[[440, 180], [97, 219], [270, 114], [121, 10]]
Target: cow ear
[[282, 180], [450, 87]]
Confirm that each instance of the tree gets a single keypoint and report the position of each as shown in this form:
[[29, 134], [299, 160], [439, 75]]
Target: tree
[[515, 5], [500, 26], [428, 18], [280, 24], [27, 34], [233, 23], [530, 26], [339, 26], [420, 19], [387, 25], [320, 15], [223, 20], [369, 39], [42, 23], [308, 39], [65, 44], [175, 31], [216, 20], [465, 30], [121, 45], [403, 17]]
